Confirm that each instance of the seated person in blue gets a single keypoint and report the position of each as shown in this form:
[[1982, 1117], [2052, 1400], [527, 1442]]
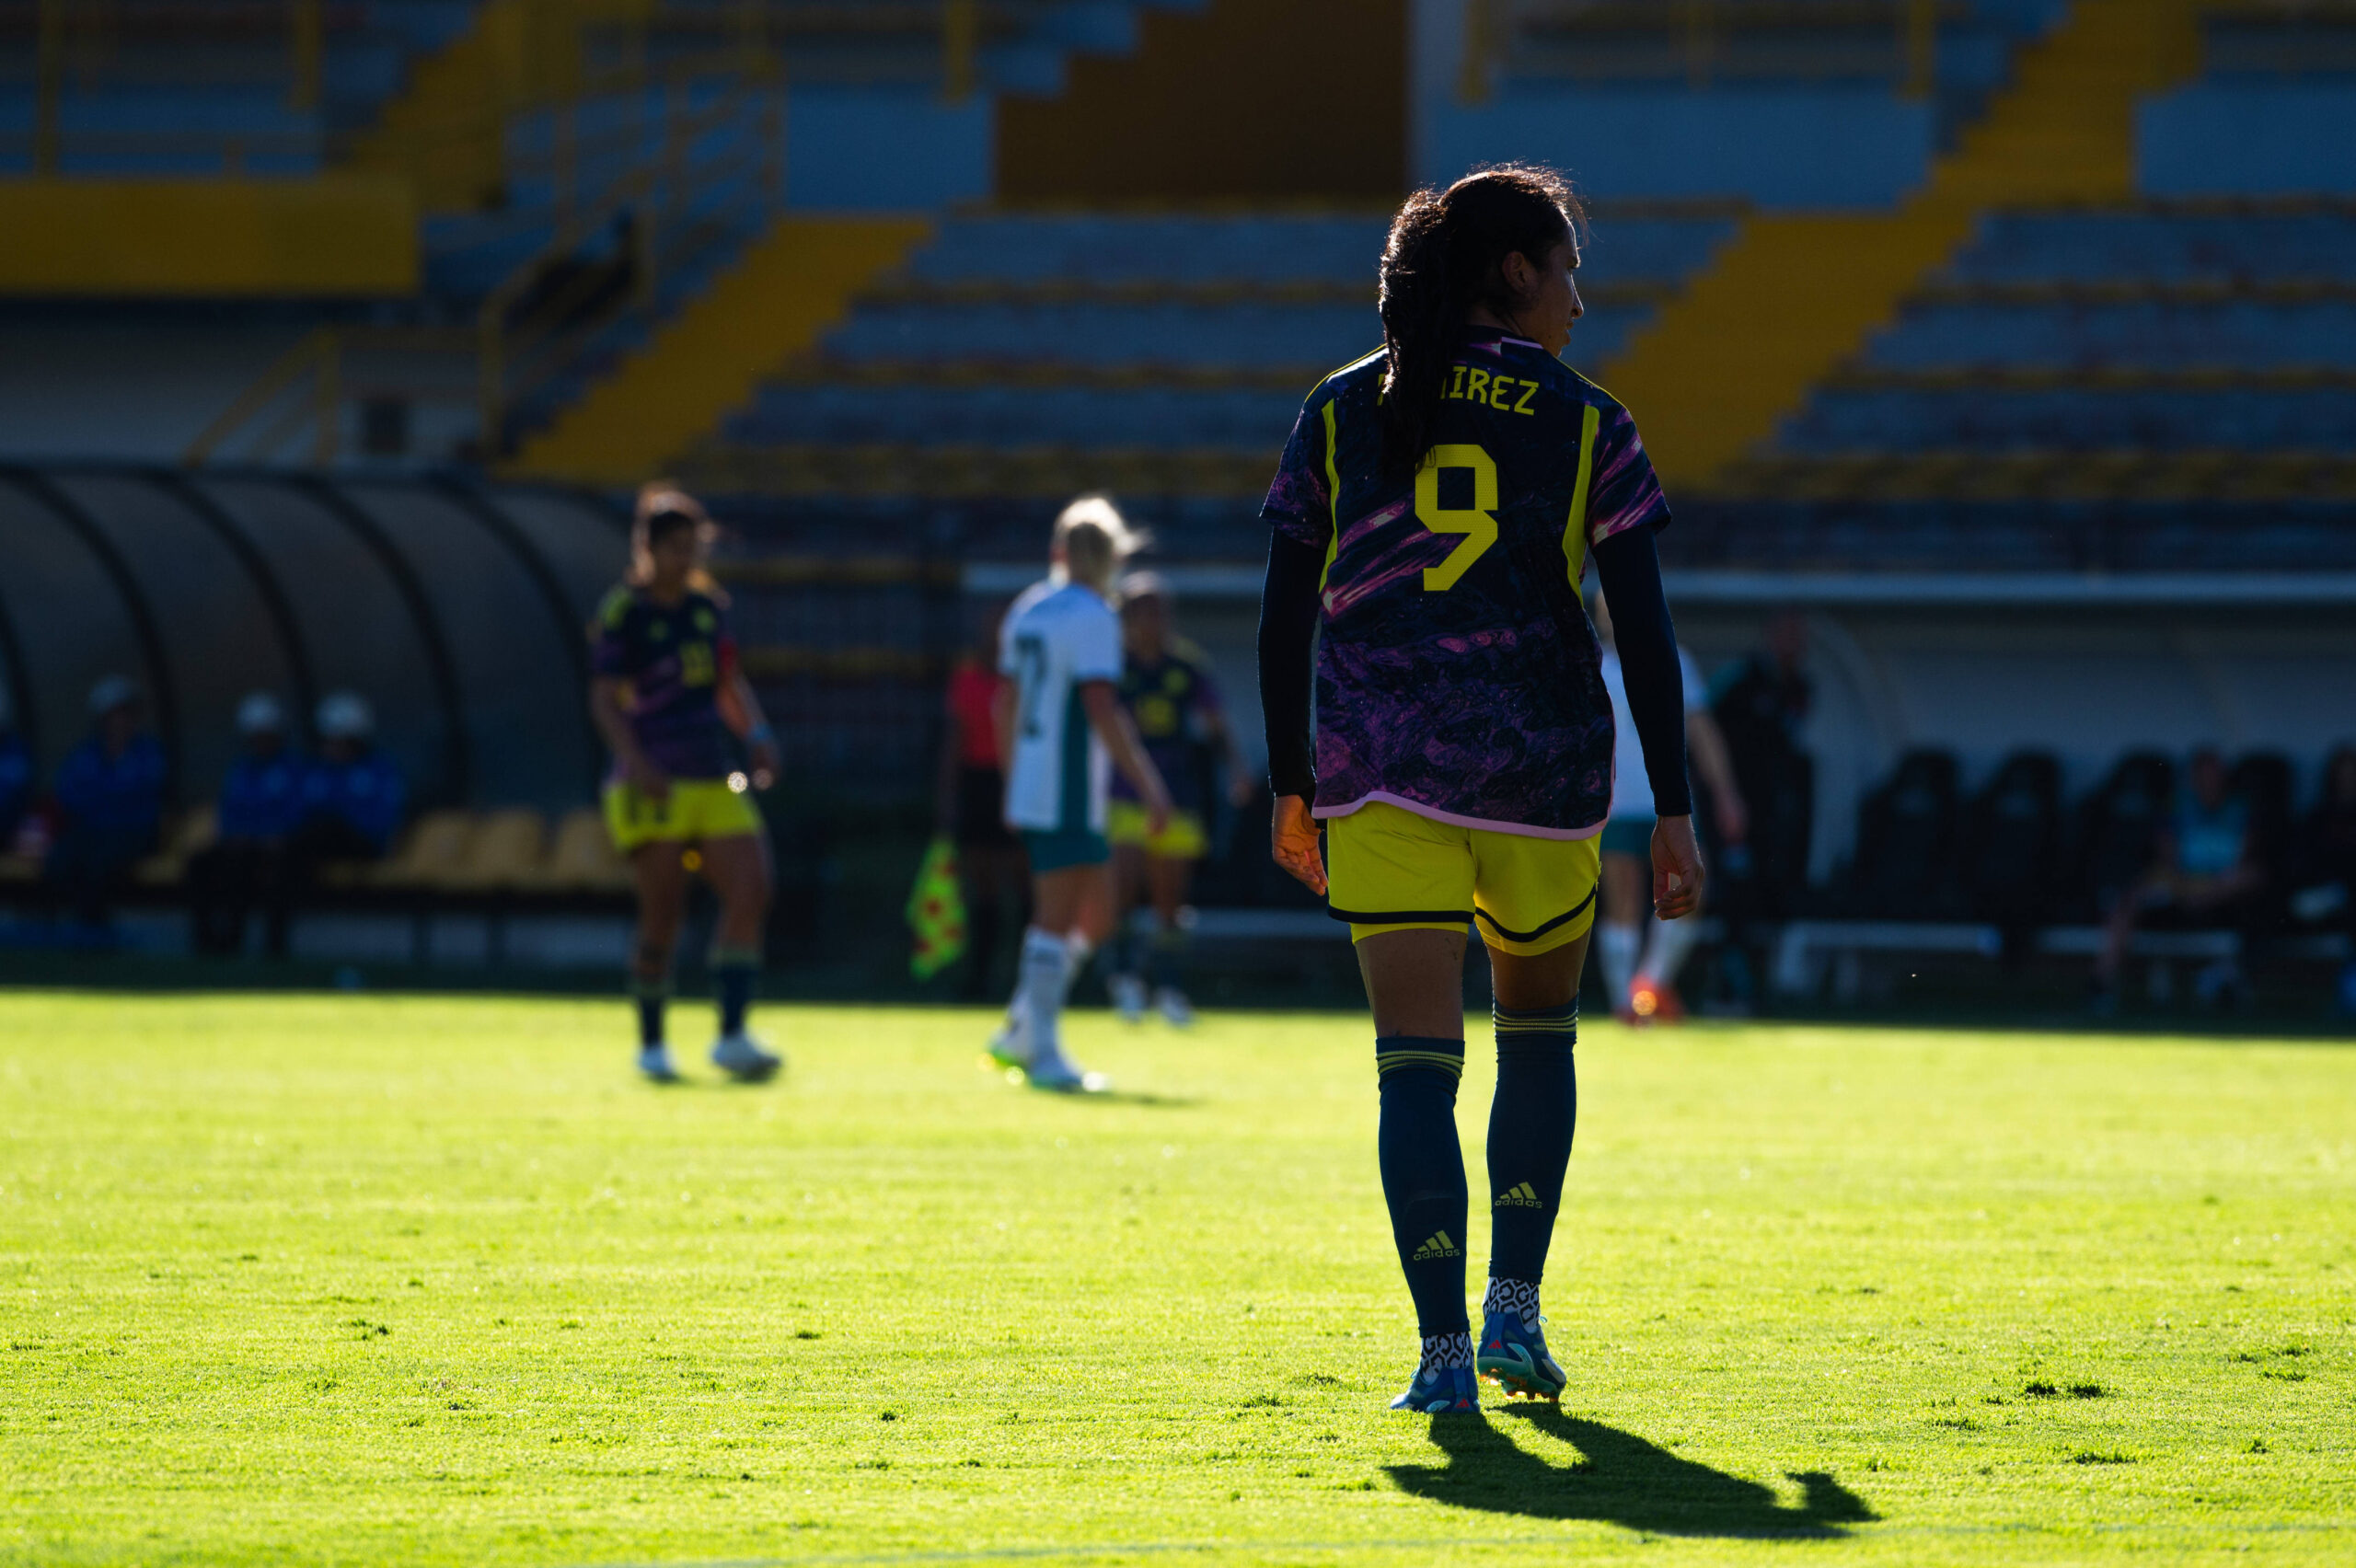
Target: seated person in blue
[[109, 800], [352, 792], [261, 806], [2206, 872], [16, 774]]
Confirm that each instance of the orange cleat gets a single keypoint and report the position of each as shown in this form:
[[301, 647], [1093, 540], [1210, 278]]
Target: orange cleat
[[1654, 1002]]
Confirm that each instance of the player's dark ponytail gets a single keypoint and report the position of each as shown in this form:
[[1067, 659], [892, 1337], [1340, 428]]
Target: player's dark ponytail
[[1445, 255]]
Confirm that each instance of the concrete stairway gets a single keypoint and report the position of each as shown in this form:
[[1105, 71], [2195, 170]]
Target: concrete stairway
[[787, 288]]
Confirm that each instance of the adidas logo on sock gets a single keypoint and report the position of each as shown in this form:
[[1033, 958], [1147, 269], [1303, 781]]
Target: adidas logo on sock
[[1436, 1246], [1522, 1196]]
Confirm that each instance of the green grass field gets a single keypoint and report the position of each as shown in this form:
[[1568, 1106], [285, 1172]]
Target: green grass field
[[375, 1280]]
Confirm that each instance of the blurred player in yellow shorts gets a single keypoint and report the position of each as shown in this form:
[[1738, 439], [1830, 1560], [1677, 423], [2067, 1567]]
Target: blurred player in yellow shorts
[[1167, 686], [666, 691], [690, 811]]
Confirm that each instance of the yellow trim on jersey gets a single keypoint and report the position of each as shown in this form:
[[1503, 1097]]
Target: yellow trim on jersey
[[1575, 530], [693, 811], [1363, 360], [1392, 870], [615, 608], [1333, 490]]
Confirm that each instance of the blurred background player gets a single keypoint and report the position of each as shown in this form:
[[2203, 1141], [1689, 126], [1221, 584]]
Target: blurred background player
[[1062, 729], [353, 794], [1761, 704], [1463, 742], [109, 800], [1644, 989], [1166, 687], [970, 809], [2205, 870], [664, 692], [260, 808]]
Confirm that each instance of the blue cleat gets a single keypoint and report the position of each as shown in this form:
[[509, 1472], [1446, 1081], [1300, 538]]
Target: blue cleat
[[1515, 1357], [1441, 1391]]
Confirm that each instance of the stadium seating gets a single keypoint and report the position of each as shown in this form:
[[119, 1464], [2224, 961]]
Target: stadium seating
[[2161, 351], [181, 89], [1041, 354]]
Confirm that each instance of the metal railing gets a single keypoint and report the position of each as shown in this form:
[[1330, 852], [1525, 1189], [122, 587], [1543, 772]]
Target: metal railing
[[638, 184]]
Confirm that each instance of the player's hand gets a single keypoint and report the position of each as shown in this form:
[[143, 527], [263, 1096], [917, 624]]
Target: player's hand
[[1677, 869], [1292, 842], [1734, 818], [1156, 811], [640, 772], [765, 763]]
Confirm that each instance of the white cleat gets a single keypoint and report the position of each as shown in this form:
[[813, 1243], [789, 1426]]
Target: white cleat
[[742, 1057], [1057, 1074], [1010, 1046], [655, 1062], [1128, 998], [1177, 1010]]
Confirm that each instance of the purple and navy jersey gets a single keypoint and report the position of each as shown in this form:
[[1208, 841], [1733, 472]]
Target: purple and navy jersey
[[1457, 675], [674, 660], [1173, 702]]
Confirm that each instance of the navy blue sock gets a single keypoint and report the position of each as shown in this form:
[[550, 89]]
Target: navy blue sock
[[1166, 967], [1529, 1136], [649, 995], [1423, 1173], [733, 972]]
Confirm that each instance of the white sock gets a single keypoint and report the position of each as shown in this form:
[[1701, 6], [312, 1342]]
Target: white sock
[[1045, 963], [1666, 947], [1619, 944]]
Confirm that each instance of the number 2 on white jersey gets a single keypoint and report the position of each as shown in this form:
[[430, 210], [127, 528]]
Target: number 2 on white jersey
[[1477, 523], [1031, 655]]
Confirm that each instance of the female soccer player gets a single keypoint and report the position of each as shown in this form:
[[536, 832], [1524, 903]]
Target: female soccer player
[[1167, 688], [1432, 517], [1059, 726], [666, 685]]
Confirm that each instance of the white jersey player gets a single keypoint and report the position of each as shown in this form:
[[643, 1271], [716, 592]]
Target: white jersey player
[[1062, 729]]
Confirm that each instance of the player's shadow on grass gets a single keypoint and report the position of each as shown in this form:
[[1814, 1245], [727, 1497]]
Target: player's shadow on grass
[[1620, 1479]]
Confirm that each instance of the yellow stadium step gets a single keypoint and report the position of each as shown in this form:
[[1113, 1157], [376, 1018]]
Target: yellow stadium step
[[788, 288], [445, 132], [1794, 296]]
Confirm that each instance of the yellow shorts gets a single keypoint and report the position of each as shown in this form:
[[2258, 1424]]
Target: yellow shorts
[[1184, 839], [1390, 869], [694, 810]]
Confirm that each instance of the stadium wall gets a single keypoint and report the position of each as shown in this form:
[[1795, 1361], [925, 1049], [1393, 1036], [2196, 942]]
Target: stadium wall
[[886, 149], [2248, 139], [1775, 147], [1246, 100], [346, 235]]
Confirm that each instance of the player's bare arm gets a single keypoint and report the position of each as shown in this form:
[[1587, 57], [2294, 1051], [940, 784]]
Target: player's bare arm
[[606, 711], [1101, 702], [740, 709]]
